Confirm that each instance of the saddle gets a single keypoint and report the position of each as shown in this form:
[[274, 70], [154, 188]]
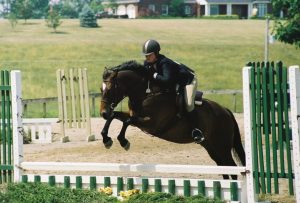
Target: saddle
[[180, 102]]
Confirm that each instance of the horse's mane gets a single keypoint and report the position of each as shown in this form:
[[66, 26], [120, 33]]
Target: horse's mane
[[128, 65]]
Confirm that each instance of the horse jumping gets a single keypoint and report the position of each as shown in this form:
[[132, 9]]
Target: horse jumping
[[157, 115]]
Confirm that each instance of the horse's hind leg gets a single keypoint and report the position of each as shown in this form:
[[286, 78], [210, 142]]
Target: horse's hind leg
[[228, 162], [224, 159]]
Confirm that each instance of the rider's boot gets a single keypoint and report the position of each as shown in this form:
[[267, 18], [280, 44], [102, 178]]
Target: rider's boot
[[197, 134]]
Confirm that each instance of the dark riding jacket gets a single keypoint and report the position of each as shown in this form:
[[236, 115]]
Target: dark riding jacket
[[169, 73]]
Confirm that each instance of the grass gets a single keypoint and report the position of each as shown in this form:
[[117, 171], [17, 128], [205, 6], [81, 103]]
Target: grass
[[216, 49]]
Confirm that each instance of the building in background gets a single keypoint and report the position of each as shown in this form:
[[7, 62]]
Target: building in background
[[142, 8]]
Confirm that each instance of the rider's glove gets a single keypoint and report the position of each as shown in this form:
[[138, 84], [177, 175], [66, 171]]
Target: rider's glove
[[154, 75]]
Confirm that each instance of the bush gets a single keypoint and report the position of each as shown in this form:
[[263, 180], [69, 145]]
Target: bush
[[221, 17], [87, 17], [38, 192], [169, 198]]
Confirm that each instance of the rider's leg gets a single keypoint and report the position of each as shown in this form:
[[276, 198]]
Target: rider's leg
[[192, 116]]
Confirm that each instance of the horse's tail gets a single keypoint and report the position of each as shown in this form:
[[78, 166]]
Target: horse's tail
[[237, 142]]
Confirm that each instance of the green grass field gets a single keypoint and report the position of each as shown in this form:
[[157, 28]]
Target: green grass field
[[216, 49]]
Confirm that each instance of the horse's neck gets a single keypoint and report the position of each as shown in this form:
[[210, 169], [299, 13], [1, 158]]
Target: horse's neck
[[133, 84]]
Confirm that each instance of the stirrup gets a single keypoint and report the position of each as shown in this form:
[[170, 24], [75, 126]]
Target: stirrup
[[197, 135]]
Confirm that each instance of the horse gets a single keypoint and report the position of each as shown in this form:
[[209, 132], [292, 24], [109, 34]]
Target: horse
[[156, 113]]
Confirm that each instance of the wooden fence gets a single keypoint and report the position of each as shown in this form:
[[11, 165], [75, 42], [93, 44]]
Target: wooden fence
[[94, 105]]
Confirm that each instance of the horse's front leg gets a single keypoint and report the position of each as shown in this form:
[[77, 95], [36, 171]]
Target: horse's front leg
[[107, 141], [124, 118], [121, 137]]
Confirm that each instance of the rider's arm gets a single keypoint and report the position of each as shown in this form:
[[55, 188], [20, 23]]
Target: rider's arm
[[168, 75]]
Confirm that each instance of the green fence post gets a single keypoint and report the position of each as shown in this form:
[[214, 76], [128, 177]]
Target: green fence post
[[24, 179], [145, 185], [93, 183], [78, 182], [201, 188], [120, 185], [51, 180], [67, 182], [157, 185], [234, 191], [107, 182], [37, 179], [130, 184], [187, 188], [217, 189], [171, 187]]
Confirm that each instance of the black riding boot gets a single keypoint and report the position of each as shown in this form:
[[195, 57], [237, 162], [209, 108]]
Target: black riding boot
[[197, 134]]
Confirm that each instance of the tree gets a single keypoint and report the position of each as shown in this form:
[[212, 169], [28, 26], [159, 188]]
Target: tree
[[13, 20], [24, 9], [288, 30], [53, 19], [177, 7], [96, 6], [69, 10], [112, 4], [87, 17]]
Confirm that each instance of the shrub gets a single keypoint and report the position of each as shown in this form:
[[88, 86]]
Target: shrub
[[221, 17], [38, 192], [87, 17]]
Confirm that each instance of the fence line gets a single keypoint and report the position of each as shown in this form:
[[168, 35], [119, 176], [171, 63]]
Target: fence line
[[94, 95]]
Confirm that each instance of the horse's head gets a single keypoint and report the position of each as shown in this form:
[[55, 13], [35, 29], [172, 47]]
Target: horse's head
[[127, 79], [112, 94]]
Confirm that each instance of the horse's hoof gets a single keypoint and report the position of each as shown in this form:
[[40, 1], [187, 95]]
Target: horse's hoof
[[108, 144], [127, 146]]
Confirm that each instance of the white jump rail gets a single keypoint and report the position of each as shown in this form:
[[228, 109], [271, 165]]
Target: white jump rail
[[117, 167]]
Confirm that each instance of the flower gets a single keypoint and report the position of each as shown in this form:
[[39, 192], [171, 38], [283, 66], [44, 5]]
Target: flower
[[106, 190], [127, 194]]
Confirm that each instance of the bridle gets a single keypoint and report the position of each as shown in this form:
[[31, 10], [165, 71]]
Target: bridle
[[114, 89]]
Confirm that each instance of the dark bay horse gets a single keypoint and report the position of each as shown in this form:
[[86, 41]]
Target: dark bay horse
[[156, 114]]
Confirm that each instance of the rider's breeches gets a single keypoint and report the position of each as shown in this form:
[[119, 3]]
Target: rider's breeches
[[189, 95]]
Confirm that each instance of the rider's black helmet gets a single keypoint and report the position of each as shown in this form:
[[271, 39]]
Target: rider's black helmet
[[151, 46]]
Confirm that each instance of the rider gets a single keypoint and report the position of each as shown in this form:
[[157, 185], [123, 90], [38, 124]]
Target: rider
[[168, 75]]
